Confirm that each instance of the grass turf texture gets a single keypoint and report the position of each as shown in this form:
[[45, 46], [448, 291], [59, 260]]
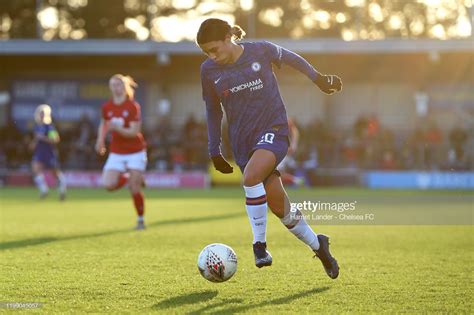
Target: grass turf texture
[[83, 255]]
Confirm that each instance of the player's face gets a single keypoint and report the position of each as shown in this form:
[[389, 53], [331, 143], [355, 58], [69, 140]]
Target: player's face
[[116, 87], [40, 117], [220, 51]]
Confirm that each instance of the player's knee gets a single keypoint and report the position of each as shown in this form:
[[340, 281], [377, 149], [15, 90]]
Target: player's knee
[[110, 185], [251, 179], [135, 188], [135, 185], [36, 168]]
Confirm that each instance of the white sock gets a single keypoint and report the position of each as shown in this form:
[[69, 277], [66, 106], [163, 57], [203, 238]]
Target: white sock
[[140, 219], [62, 186], [298, 226], [40, 182], [256, 204]]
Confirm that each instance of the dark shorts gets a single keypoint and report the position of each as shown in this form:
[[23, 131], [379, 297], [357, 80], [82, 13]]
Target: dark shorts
[[271, 141], [48, 160]]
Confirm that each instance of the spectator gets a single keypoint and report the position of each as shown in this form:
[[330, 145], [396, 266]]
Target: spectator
[[433, 139], [388, 161], [458, 138], [82, 146]]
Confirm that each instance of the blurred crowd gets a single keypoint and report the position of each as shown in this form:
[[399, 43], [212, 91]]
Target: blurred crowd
[[370, 145], [367, 145]]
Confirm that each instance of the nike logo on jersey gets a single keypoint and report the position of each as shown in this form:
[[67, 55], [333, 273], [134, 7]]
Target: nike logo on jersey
[[217, 81]]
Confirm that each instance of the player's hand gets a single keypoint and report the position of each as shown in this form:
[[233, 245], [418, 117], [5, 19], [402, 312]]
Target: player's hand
[[221, 164], [42, 137], [328, 83], [112, 127], [100, 148]]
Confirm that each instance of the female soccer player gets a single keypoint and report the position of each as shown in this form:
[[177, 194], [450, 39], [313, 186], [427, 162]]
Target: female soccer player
[[240, 77], [127, 160], [44, 152]]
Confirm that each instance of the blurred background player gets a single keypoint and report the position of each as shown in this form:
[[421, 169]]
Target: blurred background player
[[127, 160], [44, 152], [240, 78], [288, 163]]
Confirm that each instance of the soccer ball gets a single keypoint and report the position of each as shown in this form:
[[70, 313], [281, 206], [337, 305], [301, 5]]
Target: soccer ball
[[217, 262]]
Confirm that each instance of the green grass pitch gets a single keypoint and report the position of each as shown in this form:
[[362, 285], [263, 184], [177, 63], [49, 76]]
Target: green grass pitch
[[83, 255]]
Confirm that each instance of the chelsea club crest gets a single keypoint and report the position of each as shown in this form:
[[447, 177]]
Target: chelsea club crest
[[256, 66]]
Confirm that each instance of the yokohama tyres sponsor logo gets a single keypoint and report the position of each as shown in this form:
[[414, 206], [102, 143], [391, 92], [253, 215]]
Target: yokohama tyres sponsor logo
[[252, 85]]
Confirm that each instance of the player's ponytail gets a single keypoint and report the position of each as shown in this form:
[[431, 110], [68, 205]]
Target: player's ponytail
[[130, 86], [217, 29], [237, 32]]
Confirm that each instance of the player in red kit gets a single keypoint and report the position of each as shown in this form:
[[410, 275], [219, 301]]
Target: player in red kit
[[127, 159]]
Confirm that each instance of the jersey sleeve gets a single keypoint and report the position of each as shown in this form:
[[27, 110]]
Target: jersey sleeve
[[279, 55], [213, 113], [135, 113]]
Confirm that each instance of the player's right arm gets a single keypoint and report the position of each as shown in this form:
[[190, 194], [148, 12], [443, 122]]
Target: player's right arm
[[101, 132], [33, 143], [214, 116]]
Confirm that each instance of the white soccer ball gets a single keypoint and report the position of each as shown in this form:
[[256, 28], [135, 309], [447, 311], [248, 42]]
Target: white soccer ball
[[217, 262]]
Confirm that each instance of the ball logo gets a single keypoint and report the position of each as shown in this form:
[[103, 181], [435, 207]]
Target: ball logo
[[256, 66], [125, 113]]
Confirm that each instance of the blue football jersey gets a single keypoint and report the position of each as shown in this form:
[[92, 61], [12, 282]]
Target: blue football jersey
[[43, 147], [249, 94]]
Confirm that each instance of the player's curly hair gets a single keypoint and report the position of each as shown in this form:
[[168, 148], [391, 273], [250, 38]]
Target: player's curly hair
[[217, 29], [128, 82]]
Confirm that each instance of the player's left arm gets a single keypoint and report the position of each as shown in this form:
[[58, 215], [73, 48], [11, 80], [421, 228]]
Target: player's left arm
[[53, 135], [328, 83]]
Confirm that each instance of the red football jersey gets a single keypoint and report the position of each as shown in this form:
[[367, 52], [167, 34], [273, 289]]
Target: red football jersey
[[122, 115]]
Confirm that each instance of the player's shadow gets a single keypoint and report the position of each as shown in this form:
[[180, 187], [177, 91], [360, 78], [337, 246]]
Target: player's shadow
[[27, 242], [178, 301], [250, 307], [214, 306], [223, 307], [50, 239]]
